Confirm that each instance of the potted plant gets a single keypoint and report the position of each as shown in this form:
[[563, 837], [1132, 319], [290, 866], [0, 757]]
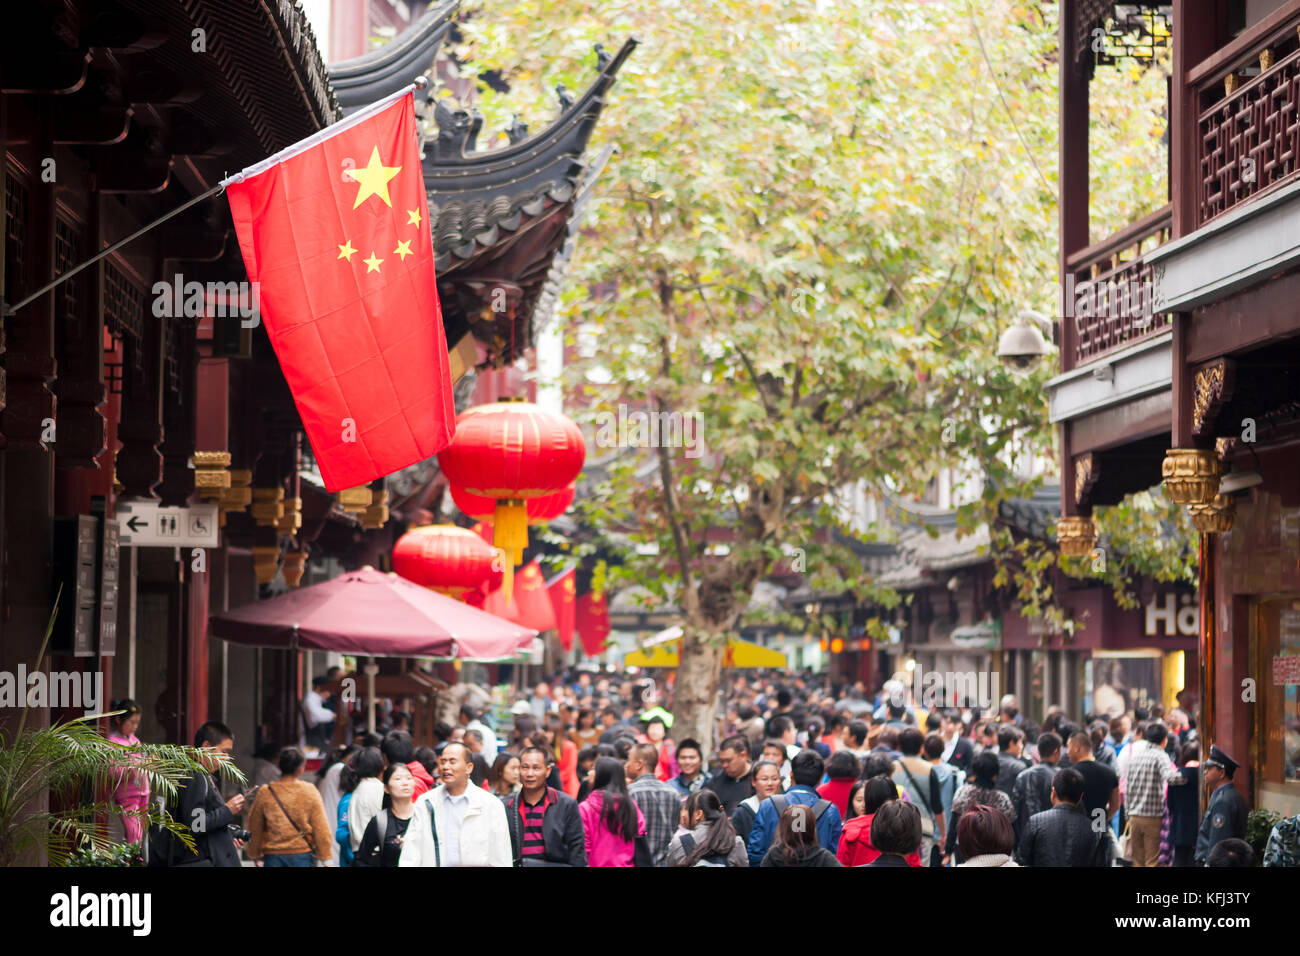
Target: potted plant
[[70, 759]]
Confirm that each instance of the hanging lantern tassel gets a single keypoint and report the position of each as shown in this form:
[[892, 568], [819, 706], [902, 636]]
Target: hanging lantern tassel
[[510, 528], [507, 578]]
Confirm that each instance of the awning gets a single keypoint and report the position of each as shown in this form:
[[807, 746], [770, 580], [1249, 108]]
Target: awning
[[371, 613], [662, 651]]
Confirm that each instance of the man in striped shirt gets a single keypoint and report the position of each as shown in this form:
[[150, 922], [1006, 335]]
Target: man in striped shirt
[[545, 827]]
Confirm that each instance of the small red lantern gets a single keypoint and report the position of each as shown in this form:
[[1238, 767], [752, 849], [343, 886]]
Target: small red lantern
[[540, 510], [512, 451], [451, 560]]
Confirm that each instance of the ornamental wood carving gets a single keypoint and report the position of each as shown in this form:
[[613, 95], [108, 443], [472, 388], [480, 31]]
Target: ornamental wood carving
[[1212, 389], [1087, 469]]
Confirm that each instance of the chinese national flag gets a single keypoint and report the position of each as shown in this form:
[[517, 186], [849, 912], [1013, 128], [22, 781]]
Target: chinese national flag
[[593, 622], [531, 606], [563, 599], [335, 232]]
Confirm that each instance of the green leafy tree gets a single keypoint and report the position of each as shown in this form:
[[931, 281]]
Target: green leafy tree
[[820, 217]]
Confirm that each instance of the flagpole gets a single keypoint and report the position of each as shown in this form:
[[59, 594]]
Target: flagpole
[[11, 309], [420, 83]]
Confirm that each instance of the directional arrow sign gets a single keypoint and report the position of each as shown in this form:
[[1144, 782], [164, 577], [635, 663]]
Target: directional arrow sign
[[147, 524]]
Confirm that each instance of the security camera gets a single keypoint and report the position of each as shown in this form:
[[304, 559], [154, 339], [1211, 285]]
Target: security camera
[[1022, 346]]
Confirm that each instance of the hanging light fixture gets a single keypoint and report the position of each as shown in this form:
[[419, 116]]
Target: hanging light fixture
[[513, 451], [448, 559]]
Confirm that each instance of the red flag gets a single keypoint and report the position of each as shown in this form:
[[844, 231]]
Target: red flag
[[593, 622], [335, 232], [531, 606], [561, 589]]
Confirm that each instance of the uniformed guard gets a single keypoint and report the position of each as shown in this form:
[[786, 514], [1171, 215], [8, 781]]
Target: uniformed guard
[[1225, 817]]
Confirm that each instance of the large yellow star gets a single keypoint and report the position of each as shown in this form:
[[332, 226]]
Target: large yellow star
[[372, 264], [373, 179], [412, 217], [346, 250], [403, 249]]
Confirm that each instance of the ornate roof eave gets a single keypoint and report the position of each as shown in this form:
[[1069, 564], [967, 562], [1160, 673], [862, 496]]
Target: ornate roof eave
[[372, 76], [450, 171]]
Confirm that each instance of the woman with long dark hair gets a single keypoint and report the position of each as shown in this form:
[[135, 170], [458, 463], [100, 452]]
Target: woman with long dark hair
[[711, 840], [796, 841], [381, 844], [503, 778], [611, 819], [586, 733]]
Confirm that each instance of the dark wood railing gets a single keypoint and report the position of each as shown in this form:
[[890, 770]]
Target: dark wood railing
[[1247, 98], [1107, 299]]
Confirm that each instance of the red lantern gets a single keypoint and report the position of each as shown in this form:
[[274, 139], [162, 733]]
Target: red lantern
[[448, 559], [540, 510], [512, 451]]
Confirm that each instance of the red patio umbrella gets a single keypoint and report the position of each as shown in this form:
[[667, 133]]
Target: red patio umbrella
[[368, 612]]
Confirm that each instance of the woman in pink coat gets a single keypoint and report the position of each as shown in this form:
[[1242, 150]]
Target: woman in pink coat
[[131, 787], [611, 819]]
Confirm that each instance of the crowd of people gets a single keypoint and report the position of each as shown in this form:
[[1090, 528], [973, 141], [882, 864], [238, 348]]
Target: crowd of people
[[588, 772]]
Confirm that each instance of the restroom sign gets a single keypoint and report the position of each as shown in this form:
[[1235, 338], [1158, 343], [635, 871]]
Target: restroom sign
[[147, 524], [1173, 614]]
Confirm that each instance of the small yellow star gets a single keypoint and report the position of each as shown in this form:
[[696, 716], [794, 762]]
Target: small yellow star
[[403, 249], [373, 179], [346, 250], [372, 264], [412, 217]]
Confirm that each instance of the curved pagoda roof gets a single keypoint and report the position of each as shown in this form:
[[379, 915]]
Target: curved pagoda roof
[[499, 217]]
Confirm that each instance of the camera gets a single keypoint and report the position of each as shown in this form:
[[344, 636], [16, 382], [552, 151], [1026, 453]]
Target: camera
[[1022, 346], [238, 833]]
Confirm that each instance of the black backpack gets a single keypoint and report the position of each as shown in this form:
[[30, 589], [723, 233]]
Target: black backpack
[[780, 803]]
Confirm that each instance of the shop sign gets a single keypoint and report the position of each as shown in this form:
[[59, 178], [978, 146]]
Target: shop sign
[[1165, 618], [147, 524], [1286, 670], [984, 636]]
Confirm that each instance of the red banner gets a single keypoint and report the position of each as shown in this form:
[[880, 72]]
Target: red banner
[[564, 599], [593, 622]]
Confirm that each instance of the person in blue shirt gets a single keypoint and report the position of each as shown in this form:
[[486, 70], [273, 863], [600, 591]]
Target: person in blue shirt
[[806, 771]]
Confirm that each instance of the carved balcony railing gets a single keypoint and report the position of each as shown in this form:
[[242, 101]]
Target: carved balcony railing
[[1247, 98], [1107, 297]]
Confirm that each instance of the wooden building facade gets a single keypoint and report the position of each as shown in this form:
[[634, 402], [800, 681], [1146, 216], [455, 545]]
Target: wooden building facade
[[1196, 384]]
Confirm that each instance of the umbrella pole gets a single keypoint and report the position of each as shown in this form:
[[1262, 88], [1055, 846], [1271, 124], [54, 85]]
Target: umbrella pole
[[371, 670]]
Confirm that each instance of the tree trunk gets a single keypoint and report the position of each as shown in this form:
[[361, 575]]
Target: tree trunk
[[695, 696]]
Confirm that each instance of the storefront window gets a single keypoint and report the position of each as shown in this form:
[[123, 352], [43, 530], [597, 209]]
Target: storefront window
[[1122, 681], [1278, 646]]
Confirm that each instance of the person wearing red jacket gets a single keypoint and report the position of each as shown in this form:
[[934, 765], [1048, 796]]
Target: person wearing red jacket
[[843, 769], [398, 747], [856, 848], [565, 754]]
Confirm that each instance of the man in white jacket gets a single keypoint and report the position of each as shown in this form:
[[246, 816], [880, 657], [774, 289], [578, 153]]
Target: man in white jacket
[[456, 824]]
